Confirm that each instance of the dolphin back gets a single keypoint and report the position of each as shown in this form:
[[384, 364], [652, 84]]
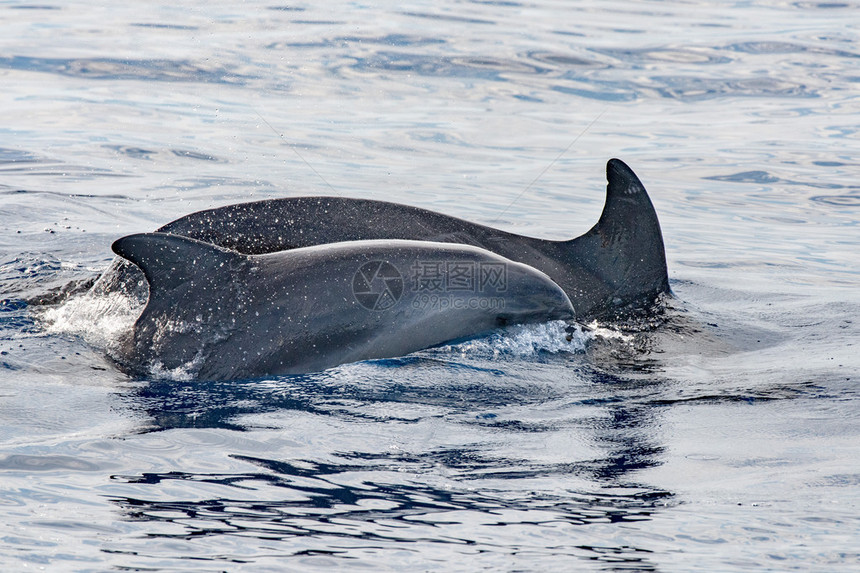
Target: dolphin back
[[217, 314], [617, 267]]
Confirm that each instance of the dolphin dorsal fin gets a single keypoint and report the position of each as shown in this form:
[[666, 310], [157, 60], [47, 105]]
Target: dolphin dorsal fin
[[626, 198], [171, 261], [625, 248]]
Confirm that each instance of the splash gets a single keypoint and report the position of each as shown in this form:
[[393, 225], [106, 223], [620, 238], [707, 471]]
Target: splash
[[595, 329], [105, 321], [102, 320], [182, 373], [525, 341]]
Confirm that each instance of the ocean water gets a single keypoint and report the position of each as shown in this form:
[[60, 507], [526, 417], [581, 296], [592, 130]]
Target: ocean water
[[726, 439]]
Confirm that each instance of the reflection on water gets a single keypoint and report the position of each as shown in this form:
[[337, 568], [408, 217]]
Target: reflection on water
[[385, 495], [329, 502], [520, 449]]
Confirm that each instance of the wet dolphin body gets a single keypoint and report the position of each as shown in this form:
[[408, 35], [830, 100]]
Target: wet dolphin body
[[617, 266], [222, 315]]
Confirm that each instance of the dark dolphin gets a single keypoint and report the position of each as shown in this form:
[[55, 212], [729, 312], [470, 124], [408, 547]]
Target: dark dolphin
[[616, 267], [217, 314]]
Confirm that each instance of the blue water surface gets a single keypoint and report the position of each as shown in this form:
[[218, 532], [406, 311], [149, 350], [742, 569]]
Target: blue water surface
[[726, 439]]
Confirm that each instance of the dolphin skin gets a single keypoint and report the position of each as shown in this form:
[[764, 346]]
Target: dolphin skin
[[617, 267], [218, 314]]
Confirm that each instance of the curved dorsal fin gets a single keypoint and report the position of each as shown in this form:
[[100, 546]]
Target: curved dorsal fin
[[171, 261], [625, 248]]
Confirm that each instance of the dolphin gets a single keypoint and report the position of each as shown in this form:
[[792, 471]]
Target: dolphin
[[218, 314], [617, 267]]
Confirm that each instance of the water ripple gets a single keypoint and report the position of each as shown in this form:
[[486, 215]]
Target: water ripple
[[47, 463], [676, 55], [497, 454], [838, 200], [778, 47], [697, 88], [449, 18], [488, 68], [128, 69], [324, 500]]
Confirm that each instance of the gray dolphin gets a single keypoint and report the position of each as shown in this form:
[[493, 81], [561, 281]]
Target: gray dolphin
[[616, 267], [220, 314]]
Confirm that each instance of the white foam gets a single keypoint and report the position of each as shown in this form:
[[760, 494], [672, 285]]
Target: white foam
[[183, 373], [100, 319], [525, 341], [104, 320], [595, 330]]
